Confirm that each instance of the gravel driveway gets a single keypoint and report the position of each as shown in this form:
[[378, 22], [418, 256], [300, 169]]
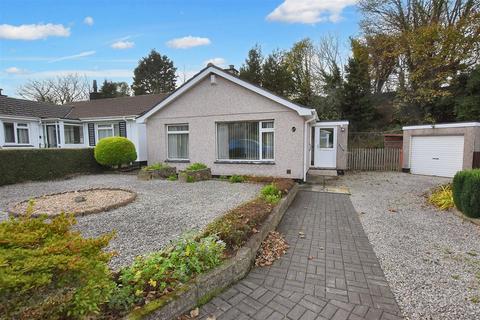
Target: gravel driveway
[[162, 211], [430, 258]]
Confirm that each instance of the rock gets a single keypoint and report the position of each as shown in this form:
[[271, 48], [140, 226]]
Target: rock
[[80, 199]]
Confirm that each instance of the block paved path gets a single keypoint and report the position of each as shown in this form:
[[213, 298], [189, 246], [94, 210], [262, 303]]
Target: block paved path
[[332, 273]]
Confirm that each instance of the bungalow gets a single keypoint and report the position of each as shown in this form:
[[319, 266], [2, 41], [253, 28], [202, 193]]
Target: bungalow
[[31, 124], [236, 127]]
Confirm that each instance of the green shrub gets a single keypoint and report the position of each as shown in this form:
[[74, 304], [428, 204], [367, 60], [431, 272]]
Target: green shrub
[[271, 193], [164, 270], [442, 197], [115, 151], [236, 179], [44, 164], [196, 166], [235, 227], [156, 166], [173, 177], [458, 182], [48, 271], [190, 179], [470, 197]]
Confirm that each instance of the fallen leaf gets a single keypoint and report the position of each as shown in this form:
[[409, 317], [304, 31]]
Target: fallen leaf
[[310, 257], [272, 248], [194, 313], [211, 318], [254, 230], [392, 210]]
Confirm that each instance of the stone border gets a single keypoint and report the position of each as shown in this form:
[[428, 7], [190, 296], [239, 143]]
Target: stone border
[[197, 175], [133, 196], [202, 288], [163, 173]]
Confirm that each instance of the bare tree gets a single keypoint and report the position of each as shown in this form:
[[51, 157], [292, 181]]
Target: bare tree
[[58, 90]]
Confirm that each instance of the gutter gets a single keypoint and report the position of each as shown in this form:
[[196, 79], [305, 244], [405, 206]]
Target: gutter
[[305, 147]]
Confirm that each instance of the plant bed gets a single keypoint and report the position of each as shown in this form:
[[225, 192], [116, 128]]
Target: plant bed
[[241, 254], [195, 172], [78, 203], [157, 171]]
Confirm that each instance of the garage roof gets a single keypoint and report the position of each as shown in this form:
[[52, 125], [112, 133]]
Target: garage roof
[[443, 125]]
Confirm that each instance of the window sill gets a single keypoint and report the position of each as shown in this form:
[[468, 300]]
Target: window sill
[[177, 161], [244, 162], [17, 146]]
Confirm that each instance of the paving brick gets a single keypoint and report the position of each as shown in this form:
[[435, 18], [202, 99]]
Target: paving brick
[[342, 281]]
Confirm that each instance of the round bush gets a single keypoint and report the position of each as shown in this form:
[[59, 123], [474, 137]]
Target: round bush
[[457, 185], [470, 197], [115, 151]]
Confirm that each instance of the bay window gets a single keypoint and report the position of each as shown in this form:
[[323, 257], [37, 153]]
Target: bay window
[[73, 134], [245, 140], [16, 133], [177, 142]]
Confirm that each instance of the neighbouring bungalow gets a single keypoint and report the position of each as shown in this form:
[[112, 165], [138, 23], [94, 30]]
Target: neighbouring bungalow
[[31, 124], [236, 127]]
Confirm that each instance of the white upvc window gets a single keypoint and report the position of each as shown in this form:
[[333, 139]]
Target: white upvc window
[[177, 142], [246, 141], [107, 130], [73, 133], [16, 133]]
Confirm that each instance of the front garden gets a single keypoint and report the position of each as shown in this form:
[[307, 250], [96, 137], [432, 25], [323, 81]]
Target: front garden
[[57, 266]]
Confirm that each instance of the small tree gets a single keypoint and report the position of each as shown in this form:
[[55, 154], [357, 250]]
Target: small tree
[[115, 151], [251, 70], [154, 74]]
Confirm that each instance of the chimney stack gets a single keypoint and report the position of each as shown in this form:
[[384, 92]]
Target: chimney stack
[[231, 69], [1, 92], [95, 94]]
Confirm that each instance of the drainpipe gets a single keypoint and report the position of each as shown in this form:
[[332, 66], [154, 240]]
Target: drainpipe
[[305, 150]]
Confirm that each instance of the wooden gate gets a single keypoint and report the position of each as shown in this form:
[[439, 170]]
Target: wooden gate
[[375, 159]]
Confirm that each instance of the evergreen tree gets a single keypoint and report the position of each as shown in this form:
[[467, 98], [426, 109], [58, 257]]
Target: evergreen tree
[[112, 89], [251, 70], [154, 74], [357, 105], [329, 106], [276, 76], [467, 104]]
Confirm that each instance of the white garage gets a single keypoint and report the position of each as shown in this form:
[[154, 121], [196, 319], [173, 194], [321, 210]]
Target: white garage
[[441, 149], [436, 155]]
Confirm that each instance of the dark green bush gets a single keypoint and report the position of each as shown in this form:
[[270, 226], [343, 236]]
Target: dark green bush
[[115, 151], [196, 166], [44, 164], [458, 182], [48, 271], [470, 197]]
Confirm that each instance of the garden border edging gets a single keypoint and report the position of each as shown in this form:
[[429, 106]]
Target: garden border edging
[[202, 288]]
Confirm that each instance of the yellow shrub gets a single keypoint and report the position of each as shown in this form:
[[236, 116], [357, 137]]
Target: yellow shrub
[[442, 197]]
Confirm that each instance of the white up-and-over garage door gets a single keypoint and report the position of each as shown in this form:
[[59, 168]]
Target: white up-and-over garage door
[[436, 155]]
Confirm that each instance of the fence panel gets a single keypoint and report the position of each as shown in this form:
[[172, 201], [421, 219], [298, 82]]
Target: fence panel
[[375, 159]]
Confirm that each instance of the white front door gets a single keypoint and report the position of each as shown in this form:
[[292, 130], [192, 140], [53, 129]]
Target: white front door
[[325, 147]]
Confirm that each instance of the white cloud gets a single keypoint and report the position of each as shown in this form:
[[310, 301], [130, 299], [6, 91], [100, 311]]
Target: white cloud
[[33, 31], [310, 11], [15, 70], [216, 61], [75, 56], [188, 42], [121, 45], [88, 21]]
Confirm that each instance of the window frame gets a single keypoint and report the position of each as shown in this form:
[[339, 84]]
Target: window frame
[[24, 126], [111, 127], [187, 132], [82, 133], [261, 130]]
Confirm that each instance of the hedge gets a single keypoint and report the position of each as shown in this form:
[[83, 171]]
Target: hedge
[[44, 164], [466, 192]]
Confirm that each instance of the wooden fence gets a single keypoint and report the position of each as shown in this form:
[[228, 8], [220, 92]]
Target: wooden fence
[[375, 159]]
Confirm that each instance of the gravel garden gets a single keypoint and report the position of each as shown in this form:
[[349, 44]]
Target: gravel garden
[[161, 212], [430, 257]]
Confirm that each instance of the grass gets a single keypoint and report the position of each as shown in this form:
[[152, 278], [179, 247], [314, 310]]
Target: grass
[[442, 197], [156, 166], [196, 166]]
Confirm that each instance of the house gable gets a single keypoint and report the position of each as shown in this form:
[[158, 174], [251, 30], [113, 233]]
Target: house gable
[[214, 81]]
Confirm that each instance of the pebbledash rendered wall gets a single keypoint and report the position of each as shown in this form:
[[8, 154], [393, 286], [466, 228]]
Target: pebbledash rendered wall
[[471, 141], [206, 104]]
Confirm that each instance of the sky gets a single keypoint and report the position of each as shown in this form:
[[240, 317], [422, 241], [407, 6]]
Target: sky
[[105, 39]]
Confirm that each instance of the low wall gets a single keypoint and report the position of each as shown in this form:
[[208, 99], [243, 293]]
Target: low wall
[[204, 287]]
